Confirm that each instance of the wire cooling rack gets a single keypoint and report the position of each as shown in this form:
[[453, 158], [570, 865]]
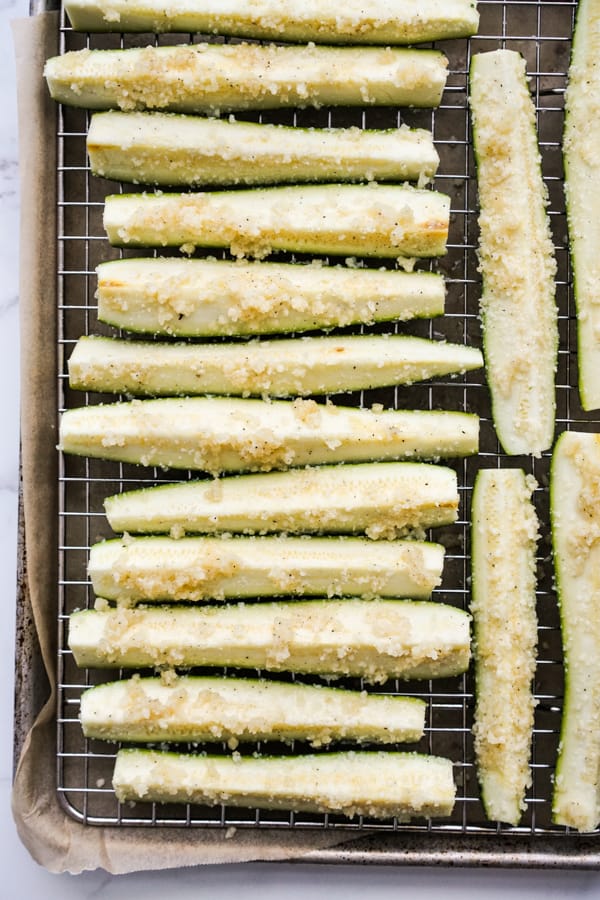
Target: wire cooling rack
[[541, 31]]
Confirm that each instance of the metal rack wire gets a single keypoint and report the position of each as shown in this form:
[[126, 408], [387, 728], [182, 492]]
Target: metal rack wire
[[542, 32]]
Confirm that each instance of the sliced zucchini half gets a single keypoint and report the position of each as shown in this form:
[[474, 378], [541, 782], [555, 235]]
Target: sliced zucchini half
[[216, 434], [370, 784], [170, 149], [206, 709], [213, 78], [285, 368], [575, 512], [201, 297], [352, 219], [357, 22], [131, 570], [384, 500], [582, 189], [516, 255], [504, 536], [371, 639]]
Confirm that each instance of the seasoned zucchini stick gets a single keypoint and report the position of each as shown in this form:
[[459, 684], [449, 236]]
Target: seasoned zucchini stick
[[204, 709], [380, 785], [384, 500], [516, 255], [575, 513], [504, 536], [213, 568], [217, 434], [371, 639], [295, 367], [367, 219], [170, 149], [357, 22], [213, 78], [200, 297], [582, 189]]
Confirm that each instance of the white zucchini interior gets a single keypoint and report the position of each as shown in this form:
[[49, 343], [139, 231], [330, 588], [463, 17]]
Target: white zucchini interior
[[504, 536], [217, 568], [375, 639], [516, 255], [371, 784]]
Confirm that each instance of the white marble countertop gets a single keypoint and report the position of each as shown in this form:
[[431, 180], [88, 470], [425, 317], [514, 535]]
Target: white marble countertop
[[21, 877]]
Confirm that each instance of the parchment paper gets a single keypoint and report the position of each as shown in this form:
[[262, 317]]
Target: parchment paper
[[53, 838]]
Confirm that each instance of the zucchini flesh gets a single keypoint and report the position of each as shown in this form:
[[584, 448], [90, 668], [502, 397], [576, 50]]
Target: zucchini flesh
[[295, 367], [213, 78], [504, 535], [516, 255], [371, 784], [574, 494], [212, 568], [382, 499], [357, 22], [374, 640], [582, 189], [169, 149], [190, 708], [221, 434], [369, 220], [199, 297]]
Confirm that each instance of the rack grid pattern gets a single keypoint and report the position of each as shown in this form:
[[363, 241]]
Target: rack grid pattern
[[541, 31]]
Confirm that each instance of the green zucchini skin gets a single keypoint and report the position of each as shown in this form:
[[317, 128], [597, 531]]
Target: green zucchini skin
[[375, 22], [574, 504], [288, 368], [504, 535], [204, 298], [149, 569], [192, 708], [172, 149], [516, 255], [372, 639], [218, 434], [354, 783], [216, 78], [384, 500], [582, 191], [368, 220]]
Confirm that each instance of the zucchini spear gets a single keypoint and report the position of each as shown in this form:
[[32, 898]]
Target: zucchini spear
[[516, 255], [201, 297], [371, 784], [217, 434], [575, 511], [371, 639], [204, 709], [356, 22], [382, 499], [212, 568], [213, 78], [169, 149], [367, 220], [295, 367], [504, 535], [582, 188]]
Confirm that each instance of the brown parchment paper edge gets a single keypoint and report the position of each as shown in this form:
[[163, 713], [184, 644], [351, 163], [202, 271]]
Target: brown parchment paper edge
[[53, 838]]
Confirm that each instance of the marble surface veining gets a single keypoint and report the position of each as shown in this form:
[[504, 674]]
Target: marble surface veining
[[21, 877]]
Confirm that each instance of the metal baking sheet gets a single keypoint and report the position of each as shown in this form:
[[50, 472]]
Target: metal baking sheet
[[541, 31]]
